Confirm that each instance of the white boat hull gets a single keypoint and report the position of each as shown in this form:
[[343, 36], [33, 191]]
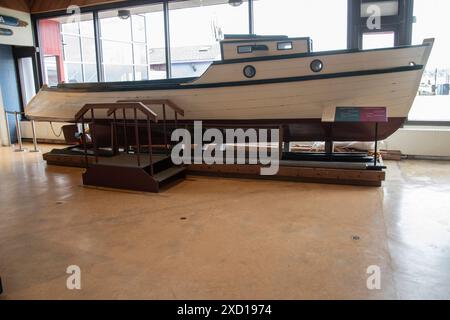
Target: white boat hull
[[283, 90]]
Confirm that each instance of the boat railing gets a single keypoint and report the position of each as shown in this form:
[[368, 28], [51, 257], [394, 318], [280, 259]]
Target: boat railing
[[112, 110], [164, 103]]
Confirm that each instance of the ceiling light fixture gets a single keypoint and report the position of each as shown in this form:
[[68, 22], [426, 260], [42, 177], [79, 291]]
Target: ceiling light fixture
[[235, 3], [124, 14]]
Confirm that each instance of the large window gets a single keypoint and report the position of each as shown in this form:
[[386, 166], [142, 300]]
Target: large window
[[196, 29], [433, 100], [133, 43], [132, 40], [68, 49], [324, 21]]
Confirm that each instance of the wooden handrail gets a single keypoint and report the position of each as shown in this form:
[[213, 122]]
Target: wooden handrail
[[115, 106], [119, 105], [167, 102]]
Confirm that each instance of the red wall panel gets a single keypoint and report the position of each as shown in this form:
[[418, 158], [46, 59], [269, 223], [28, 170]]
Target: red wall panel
[[51, 42]]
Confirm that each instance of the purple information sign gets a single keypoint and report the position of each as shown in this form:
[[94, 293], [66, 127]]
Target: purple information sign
[[374, 114]]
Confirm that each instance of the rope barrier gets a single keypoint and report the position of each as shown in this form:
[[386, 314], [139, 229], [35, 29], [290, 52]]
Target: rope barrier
[[53, 130]]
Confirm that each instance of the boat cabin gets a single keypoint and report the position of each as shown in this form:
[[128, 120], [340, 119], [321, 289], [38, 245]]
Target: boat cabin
[[251, 46]]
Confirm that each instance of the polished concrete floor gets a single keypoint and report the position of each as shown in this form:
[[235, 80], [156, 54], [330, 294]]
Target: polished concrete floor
[[213, 238]]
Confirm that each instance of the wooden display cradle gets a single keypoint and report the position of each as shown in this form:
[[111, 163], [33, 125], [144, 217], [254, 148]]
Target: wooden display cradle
[[139, 169], [301, 172], [359, 174]]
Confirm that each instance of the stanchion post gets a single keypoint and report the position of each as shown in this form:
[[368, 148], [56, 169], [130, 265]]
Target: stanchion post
[[33, 129], [19, 133], [376, 146]]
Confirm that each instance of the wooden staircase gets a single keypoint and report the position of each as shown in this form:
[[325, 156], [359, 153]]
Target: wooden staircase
[[122, 172], [130, 168]]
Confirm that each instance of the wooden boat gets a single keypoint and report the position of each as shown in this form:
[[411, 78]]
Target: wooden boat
[[269, 80]]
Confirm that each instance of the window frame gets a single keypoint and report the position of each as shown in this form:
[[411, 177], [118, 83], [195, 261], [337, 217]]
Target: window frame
[[80, 39], [400, 24], [132, 43], [95, 10]]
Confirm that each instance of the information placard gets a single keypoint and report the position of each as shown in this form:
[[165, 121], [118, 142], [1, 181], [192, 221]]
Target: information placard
[[361, 114]]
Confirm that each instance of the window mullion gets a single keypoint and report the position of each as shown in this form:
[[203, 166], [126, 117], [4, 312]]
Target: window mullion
[[167, 40], [98, 48], [251, 21], [133, 61]]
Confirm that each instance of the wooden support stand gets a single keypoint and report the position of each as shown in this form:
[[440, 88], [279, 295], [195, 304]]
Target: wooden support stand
[[357, 177], [55, 158], [135, 169]]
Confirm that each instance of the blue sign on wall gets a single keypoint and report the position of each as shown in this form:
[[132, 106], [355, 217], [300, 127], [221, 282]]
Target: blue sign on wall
[[8, 83]]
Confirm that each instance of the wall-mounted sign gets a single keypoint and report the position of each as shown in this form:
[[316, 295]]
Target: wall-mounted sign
[[355, 114], [6, 32], [12, 21], [15, 28], [361, 114]]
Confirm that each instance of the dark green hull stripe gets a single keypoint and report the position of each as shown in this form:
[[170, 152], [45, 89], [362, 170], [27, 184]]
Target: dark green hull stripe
[[146, 86]]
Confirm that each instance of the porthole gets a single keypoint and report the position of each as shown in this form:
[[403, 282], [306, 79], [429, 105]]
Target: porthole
[[316, 65], [249, 71]]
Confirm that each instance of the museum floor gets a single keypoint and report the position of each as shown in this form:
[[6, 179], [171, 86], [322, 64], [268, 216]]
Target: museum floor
[[214, 238]]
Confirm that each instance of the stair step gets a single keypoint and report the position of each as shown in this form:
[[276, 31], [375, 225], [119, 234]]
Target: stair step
[[168, 173]]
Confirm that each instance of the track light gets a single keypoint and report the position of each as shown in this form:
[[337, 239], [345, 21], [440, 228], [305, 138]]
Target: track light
[[235, 3], [124, 14]]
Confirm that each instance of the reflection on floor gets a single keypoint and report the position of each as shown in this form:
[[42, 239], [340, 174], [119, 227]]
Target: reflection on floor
[[212, 238]]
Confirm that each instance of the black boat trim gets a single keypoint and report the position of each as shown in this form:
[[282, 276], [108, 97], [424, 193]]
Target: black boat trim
[[144, 86]]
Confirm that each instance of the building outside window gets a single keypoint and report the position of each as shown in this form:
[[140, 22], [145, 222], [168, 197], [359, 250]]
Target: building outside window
[[324, 21], [133, 39], [133, 43], [196, 29], [433, 100], [68, 49], [376, 40]]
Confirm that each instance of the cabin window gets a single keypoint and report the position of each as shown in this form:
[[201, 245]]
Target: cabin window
[[286, 45], [249, 71], [252, 48], [245, 49], [316, 65]]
